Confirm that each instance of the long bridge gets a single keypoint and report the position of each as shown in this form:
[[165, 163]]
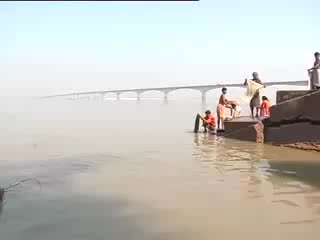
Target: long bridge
[[166, 90]]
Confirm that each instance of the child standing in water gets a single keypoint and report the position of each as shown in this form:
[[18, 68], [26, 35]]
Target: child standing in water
[[265, 107], [223, 103]]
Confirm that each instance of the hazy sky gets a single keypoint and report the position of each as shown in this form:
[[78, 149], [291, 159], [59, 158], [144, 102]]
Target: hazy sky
[[57, 47]]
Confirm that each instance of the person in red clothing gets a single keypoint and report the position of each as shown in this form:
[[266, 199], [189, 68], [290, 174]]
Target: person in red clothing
[[265, 107], [209, 121]]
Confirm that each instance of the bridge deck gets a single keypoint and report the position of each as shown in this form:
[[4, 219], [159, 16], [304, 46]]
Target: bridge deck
[[203, 88]]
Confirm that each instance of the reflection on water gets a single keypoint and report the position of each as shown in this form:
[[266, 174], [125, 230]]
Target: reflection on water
[[289, 180], [152, 179]]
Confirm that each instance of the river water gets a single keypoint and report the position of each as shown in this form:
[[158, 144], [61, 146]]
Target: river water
[[122, 170]]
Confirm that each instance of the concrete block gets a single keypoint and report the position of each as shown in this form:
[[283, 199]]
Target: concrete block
[[305, 107], [252, 133], [286, 95], [293, 133]]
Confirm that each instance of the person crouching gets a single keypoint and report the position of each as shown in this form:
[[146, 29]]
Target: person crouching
[[209, 122]]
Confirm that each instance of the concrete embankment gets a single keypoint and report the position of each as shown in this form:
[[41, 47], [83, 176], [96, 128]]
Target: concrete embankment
[[294, 122], [245, 129]]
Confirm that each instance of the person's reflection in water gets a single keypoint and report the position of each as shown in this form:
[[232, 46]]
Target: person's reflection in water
[[242, 169], [241, 159], [206, 139], [196, 139]]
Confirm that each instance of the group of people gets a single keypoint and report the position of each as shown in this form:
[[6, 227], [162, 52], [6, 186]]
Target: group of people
[[257, 104], [262, 107]]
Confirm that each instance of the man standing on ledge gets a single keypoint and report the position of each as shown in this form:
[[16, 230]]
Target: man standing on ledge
[[255, 100], [314, 73]]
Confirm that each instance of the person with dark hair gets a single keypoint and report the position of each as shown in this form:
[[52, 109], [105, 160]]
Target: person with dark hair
[[209, 122], [255, 100], [222, 104], [314, 73], [265, 107]]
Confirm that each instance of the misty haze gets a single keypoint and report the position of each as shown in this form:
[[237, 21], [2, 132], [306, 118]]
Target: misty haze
[[130, 165]]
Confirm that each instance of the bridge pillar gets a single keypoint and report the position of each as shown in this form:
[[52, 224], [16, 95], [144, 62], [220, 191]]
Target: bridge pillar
[[118, 96], [203, 98], [138, 97], [102, 97], [165, 95]]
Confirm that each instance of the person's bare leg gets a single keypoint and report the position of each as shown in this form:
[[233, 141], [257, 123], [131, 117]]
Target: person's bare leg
[[231, 110], [257, 112], [205, 127], [252, 108]]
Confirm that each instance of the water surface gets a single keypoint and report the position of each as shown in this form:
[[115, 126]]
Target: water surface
[[122, 170]]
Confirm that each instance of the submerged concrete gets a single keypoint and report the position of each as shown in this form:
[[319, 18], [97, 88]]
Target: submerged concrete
[[304, 146]]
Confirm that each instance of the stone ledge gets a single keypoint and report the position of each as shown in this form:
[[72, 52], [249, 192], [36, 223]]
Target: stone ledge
[[286, 95], [299, 108], [252, 133], [292, 133]]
